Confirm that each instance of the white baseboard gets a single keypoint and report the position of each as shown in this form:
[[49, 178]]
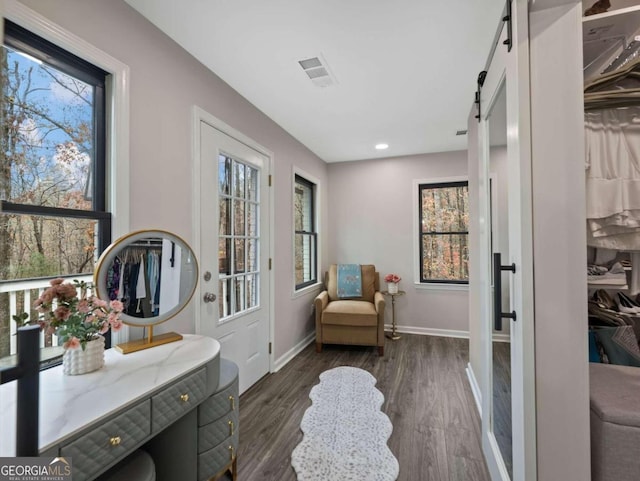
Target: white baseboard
[[293, 352], [475, 388], [428, 331], [431, 331]]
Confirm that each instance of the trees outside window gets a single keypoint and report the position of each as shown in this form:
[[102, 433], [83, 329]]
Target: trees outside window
[[305, 252], [53, 216], [238, 236], [444, 232]]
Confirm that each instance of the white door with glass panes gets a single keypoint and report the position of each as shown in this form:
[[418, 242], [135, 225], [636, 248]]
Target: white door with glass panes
[[234, 251]]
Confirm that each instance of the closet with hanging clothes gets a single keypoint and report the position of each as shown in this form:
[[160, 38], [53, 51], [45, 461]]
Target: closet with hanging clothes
[[135, 278], [612, 161], [611, 49]]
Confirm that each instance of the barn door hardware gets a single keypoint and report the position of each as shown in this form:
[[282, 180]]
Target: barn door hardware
[[498, 315], [508, 18], [481, 76]]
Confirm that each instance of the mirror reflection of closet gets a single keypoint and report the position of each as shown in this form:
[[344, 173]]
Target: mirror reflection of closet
[[501, 346], [154, 274]]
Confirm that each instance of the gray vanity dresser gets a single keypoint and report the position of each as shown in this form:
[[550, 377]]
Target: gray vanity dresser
[[178, 402]]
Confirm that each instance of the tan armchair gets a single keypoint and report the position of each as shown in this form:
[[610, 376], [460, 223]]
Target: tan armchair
[[351, 321]]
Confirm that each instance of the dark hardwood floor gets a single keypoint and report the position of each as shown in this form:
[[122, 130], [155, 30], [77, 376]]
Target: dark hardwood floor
[[436, 429]]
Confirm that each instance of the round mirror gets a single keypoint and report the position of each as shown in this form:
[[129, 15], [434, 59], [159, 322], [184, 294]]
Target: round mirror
[[152, 272]]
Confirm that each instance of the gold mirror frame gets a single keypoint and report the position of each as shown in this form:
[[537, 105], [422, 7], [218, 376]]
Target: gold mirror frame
[[106, 260]]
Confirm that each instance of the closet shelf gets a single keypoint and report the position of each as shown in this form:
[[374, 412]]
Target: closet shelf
[[602, 36], [616, 287]]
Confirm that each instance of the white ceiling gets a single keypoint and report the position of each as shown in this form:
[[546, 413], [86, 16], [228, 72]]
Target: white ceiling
[[405, 70]]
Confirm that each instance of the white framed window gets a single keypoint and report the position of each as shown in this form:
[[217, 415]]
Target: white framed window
[[305, 231], [442, 232], [102, 185]]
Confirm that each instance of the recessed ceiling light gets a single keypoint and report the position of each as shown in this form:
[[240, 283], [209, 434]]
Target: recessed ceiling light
[[382, 146]]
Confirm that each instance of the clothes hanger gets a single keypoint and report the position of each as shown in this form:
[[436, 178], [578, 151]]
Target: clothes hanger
[[619, 88]]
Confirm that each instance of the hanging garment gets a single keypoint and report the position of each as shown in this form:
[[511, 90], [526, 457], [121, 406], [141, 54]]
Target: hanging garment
[[612, 140], [114, 278], [141, 290]]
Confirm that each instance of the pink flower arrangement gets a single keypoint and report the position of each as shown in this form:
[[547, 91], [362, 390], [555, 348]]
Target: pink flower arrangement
[[76, 319], [395, 278]]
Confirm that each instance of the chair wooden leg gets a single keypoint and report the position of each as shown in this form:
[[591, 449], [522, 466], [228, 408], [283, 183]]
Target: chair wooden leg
[[318, 347], [380, 351]]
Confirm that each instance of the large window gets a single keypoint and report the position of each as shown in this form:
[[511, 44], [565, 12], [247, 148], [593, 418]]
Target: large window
[[306, 236], [444, 232], [53, 221]]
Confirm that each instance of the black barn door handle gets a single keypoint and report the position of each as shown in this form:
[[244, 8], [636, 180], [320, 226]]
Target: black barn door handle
[[498, 315]]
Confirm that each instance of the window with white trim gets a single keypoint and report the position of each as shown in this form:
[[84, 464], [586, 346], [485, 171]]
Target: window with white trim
[[443, 210], [54, 220], [306, 235]]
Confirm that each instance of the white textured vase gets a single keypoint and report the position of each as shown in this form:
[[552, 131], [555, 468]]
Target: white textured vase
[[78, 361], [392, 287]]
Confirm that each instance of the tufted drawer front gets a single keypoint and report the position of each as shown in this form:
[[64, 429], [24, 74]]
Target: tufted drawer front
[[108, 442], [214, 460], [177, 399], [214, 433], [219, 404]]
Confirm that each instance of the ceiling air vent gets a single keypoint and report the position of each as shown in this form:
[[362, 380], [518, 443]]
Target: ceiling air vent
[[461, 132], [317, 71]]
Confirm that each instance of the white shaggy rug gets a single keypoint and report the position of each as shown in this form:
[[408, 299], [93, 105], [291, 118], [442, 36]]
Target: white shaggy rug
[[345, 433]]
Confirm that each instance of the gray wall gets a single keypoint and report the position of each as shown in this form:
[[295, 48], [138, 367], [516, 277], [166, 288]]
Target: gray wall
[[371, 221], [165, 83]]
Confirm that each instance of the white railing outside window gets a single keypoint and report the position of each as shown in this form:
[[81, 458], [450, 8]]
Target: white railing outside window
[[23, 289]]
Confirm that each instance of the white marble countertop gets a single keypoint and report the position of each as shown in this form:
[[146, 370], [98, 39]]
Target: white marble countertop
[[69, 403]]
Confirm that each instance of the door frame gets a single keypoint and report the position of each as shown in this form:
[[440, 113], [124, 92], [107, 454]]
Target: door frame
[[512, 67], [198, 116]]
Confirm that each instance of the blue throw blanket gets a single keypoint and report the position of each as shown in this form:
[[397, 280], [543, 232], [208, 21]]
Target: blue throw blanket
[[349, 281]]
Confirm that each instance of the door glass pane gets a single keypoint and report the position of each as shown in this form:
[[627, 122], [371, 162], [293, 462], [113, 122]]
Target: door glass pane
[[238, 255], [224, 298], [252, 255], [252, 291], [252, 219], [224, 256], [238, 217], [238, 180], [225, 216], [240, 294], [224, 174], [252, 183]]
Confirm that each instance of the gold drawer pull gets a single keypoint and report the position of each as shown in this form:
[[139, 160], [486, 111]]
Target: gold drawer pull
[[115, 441], [232, 451], [233, 403], [184, 397], [230, 428]]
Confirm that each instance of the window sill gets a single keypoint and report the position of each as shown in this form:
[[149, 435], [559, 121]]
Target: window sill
[[443, 286], [313, 288]]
